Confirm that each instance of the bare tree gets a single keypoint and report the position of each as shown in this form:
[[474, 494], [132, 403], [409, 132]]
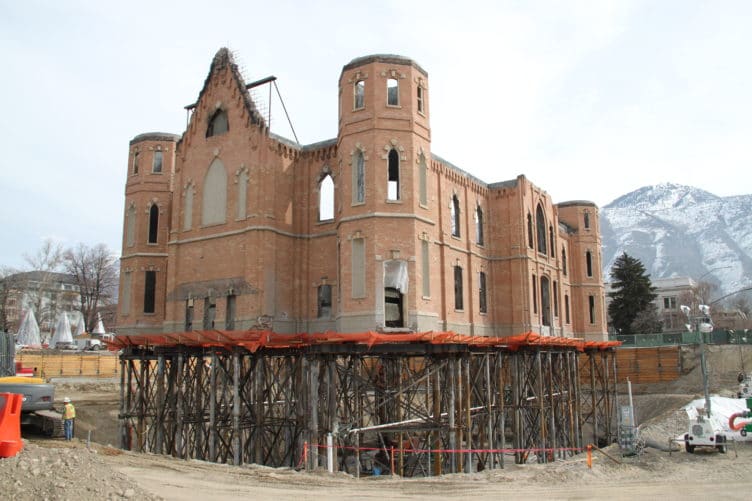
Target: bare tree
[[44, 265], [95, 271]]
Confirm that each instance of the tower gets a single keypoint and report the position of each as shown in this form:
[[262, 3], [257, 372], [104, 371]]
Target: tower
[[148, 202], [383, 154]]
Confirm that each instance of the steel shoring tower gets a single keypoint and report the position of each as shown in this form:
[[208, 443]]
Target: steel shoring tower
[[423, 409]]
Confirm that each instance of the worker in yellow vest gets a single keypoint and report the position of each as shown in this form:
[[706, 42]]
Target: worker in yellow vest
[[69, 415]]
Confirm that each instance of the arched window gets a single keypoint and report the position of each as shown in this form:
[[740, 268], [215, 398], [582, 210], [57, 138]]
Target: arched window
[[393, 187], [130, 226], [359, 95], [540, 225], [589, 263], [135, 163], [421, 99], [218, 124], [392, 92], [529, 230], [188, 208], [326, 198], [587, 220], [358, 178], [156, 164], [423, 176], [153, 223], [479, 225], [214, 195], [454, 216], [564, 260]]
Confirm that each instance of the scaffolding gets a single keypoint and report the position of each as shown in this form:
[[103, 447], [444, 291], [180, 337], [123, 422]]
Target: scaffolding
[[418, 404]]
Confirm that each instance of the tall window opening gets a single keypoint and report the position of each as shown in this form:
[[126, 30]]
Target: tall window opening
[[556, 299], [393, 186], [125, 298], [482, 292], [589, 263], [591, 304], [210, 312], [359, 94], [454, 216], [358, 178], [529, 230], [551, 240], [230, 312], [153, 223], [242, 194], [130, 226], [324, 301], [326, 198], [421, 108], [392, 92], [426, 268], [566, 307], [535, 295], [150, 289], [479, 225], [188, 208], [540, 225], [393, 314], [188, 326], [156, 166], [458, 292], [564, 261], [358, 271], [423, 176], [214, 197], [218, 124], [587, 220], [135, 163], [545, 300]]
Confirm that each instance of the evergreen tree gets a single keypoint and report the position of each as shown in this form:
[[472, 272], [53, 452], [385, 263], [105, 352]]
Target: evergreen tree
[[633, 295]]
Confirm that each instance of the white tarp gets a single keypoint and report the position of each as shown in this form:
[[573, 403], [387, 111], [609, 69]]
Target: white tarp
[[721, 409], [395, 275], [28, 331], [62, 331], [99, 329], [80, 329]]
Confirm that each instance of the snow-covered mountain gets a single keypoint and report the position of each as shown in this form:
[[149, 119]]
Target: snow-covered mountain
[[681, 231]]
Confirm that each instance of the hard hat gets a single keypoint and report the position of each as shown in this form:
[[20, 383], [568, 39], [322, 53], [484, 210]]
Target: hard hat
[[66, 400]]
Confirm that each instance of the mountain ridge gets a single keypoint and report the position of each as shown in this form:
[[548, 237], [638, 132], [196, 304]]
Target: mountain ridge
[[681, 231]]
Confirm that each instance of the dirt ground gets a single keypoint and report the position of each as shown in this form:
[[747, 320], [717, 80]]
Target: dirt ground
[[55, 469]]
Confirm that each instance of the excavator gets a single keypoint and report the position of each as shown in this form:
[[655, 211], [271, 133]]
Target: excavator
[[37, 409]]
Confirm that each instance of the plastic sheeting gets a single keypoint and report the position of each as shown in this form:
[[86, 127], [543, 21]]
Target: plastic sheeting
[[99, 329], [395, 275], [28, 331], [62, 331]]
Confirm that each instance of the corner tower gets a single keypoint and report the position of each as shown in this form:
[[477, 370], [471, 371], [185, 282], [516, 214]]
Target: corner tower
[[588, 293], [148, 204], [383, 154]]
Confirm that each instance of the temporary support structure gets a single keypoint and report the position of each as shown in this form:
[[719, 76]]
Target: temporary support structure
[[423, 404]]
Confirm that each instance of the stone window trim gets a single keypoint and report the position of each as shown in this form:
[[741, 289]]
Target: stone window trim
[[157, 163], [401, 157], [420, 96], [358, 152], [218, 123], [455, 218], [420, 160], [134, 164], [321, 177], [357, 78]]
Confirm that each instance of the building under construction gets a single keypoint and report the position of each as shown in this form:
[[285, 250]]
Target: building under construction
[[415, 404]]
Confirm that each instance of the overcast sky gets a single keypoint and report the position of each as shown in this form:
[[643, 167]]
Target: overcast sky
[[589, 99]]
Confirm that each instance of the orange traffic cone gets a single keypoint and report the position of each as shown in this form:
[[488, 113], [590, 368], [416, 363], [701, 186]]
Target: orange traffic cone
[[10, 424]]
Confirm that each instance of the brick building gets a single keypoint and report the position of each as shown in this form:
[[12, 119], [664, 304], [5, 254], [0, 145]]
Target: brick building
[[230, 226]]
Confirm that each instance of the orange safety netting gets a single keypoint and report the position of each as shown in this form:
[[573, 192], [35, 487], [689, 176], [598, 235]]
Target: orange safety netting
[[254, 340]]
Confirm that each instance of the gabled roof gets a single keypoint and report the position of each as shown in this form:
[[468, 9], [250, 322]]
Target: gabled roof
[[223, 59]]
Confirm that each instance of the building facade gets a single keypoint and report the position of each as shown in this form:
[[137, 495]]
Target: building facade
[[232, 227]]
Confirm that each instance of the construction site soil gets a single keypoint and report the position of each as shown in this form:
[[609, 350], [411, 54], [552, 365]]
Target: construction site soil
[[91, 468]]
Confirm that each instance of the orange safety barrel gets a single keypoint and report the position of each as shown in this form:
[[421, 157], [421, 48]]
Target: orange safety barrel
[[10, 424]]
